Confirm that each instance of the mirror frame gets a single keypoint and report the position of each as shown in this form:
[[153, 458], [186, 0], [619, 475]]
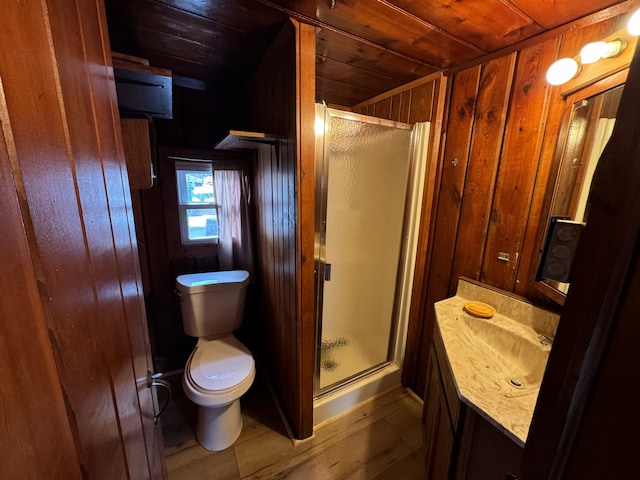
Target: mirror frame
[[612, 81]]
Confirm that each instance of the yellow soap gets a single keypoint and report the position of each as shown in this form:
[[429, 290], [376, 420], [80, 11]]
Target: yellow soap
[[479, 309]]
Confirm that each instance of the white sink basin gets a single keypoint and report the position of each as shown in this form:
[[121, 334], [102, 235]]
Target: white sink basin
[[497, 363], [520, 351]]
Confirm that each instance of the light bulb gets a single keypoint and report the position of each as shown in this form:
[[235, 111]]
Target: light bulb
[[614, 47], [633, 26], [592, 52], [562, 71]]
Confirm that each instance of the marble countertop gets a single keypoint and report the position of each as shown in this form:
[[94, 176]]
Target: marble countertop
[[484, 355]]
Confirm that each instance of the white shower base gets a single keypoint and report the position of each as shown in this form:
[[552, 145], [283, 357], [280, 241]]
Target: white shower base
[[348, 359], [345, 398]]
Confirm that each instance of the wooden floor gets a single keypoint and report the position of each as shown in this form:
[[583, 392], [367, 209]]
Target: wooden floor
[[378, 440]]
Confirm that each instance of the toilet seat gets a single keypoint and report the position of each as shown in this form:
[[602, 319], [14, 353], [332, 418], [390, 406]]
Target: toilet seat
[[220, 366]]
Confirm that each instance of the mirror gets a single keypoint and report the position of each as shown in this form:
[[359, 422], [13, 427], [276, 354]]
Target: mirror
[[587, 131]]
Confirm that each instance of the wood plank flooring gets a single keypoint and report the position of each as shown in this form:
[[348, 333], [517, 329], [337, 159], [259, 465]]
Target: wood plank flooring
[[379, 440]]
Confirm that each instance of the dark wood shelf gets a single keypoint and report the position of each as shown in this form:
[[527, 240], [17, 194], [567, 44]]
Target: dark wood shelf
[[240, 140]]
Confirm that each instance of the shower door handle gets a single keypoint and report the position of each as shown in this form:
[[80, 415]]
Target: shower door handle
[[327, 272]]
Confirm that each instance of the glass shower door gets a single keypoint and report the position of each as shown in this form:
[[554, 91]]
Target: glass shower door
[[365, 179]]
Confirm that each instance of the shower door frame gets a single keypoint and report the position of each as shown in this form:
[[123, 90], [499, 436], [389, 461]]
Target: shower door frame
[[321, 178]]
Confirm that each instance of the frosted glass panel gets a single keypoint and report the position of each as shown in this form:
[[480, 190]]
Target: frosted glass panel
[[367, 168]]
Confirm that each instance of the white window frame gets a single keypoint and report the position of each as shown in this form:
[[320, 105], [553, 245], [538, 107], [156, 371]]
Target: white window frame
[[184, 207]]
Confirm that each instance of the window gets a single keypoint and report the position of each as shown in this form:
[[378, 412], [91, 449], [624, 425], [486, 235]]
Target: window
[[196, 203]]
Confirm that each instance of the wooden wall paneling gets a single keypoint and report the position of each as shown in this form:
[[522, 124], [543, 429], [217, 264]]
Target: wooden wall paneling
[[382, 109], [126, 337], [536, 104], [162, 312], [395, 107], [67, 273], [305, 233], [486, 145], [174, 345], [267, 325], [78, 216], [274, 83], [129, 270], [405, 106], [33, 445], [284, 79], [518, 165], [427, 224], [424, 87], [170, 131], [142, 437], [454, 165], [571, 43], [421, 102]]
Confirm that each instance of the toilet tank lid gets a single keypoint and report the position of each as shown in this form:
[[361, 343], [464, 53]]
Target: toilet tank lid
[[200, 282]]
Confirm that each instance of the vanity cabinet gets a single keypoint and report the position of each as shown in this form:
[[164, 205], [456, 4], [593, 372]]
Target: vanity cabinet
[[485, 452], [437, 427], [459, 443]]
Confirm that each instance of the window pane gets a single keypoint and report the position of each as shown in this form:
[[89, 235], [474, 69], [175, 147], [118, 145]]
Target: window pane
[[202, 223], [195, 186]]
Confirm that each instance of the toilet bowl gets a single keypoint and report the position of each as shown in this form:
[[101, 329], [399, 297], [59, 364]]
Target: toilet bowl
[[220, 369], [218, 372]]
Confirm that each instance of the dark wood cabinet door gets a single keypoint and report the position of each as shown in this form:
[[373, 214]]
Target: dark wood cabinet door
[[436, 424]]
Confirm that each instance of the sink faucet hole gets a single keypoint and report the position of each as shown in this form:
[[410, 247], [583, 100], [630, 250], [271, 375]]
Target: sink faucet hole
[[514, 382]]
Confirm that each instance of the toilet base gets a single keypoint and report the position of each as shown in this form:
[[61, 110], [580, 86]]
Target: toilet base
[[219, 427]]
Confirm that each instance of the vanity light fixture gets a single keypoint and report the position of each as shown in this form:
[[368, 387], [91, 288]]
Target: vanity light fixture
[[592, 52], [565, 69], [633, 26], [562, 71]]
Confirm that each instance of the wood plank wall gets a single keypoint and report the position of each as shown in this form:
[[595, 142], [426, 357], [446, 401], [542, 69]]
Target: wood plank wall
[[282, 102], [62, 163], [502, 122]]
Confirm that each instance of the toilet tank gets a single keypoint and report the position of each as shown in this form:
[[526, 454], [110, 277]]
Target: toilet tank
[[212, 303]]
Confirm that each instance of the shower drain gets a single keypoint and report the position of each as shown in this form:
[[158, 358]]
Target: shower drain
[[329, 365], [514, 382]]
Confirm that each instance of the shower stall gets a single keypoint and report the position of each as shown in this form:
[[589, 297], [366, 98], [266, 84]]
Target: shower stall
[[370, 174]]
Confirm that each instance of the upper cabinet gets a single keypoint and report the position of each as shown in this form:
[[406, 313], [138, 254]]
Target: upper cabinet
[[144, 92], [136, 141]]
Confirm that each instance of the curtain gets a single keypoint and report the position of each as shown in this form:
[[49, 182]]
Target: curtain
[[604, 129], [235, 249]]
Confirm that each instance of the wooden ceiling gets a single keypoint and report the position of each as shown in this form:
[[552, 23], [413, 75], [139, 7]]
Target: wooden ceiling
[[364, 47]]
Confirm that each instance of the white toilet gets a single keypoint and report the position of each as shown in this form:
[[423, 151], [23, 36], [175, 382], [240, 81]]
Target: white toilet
[[220, 368]]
